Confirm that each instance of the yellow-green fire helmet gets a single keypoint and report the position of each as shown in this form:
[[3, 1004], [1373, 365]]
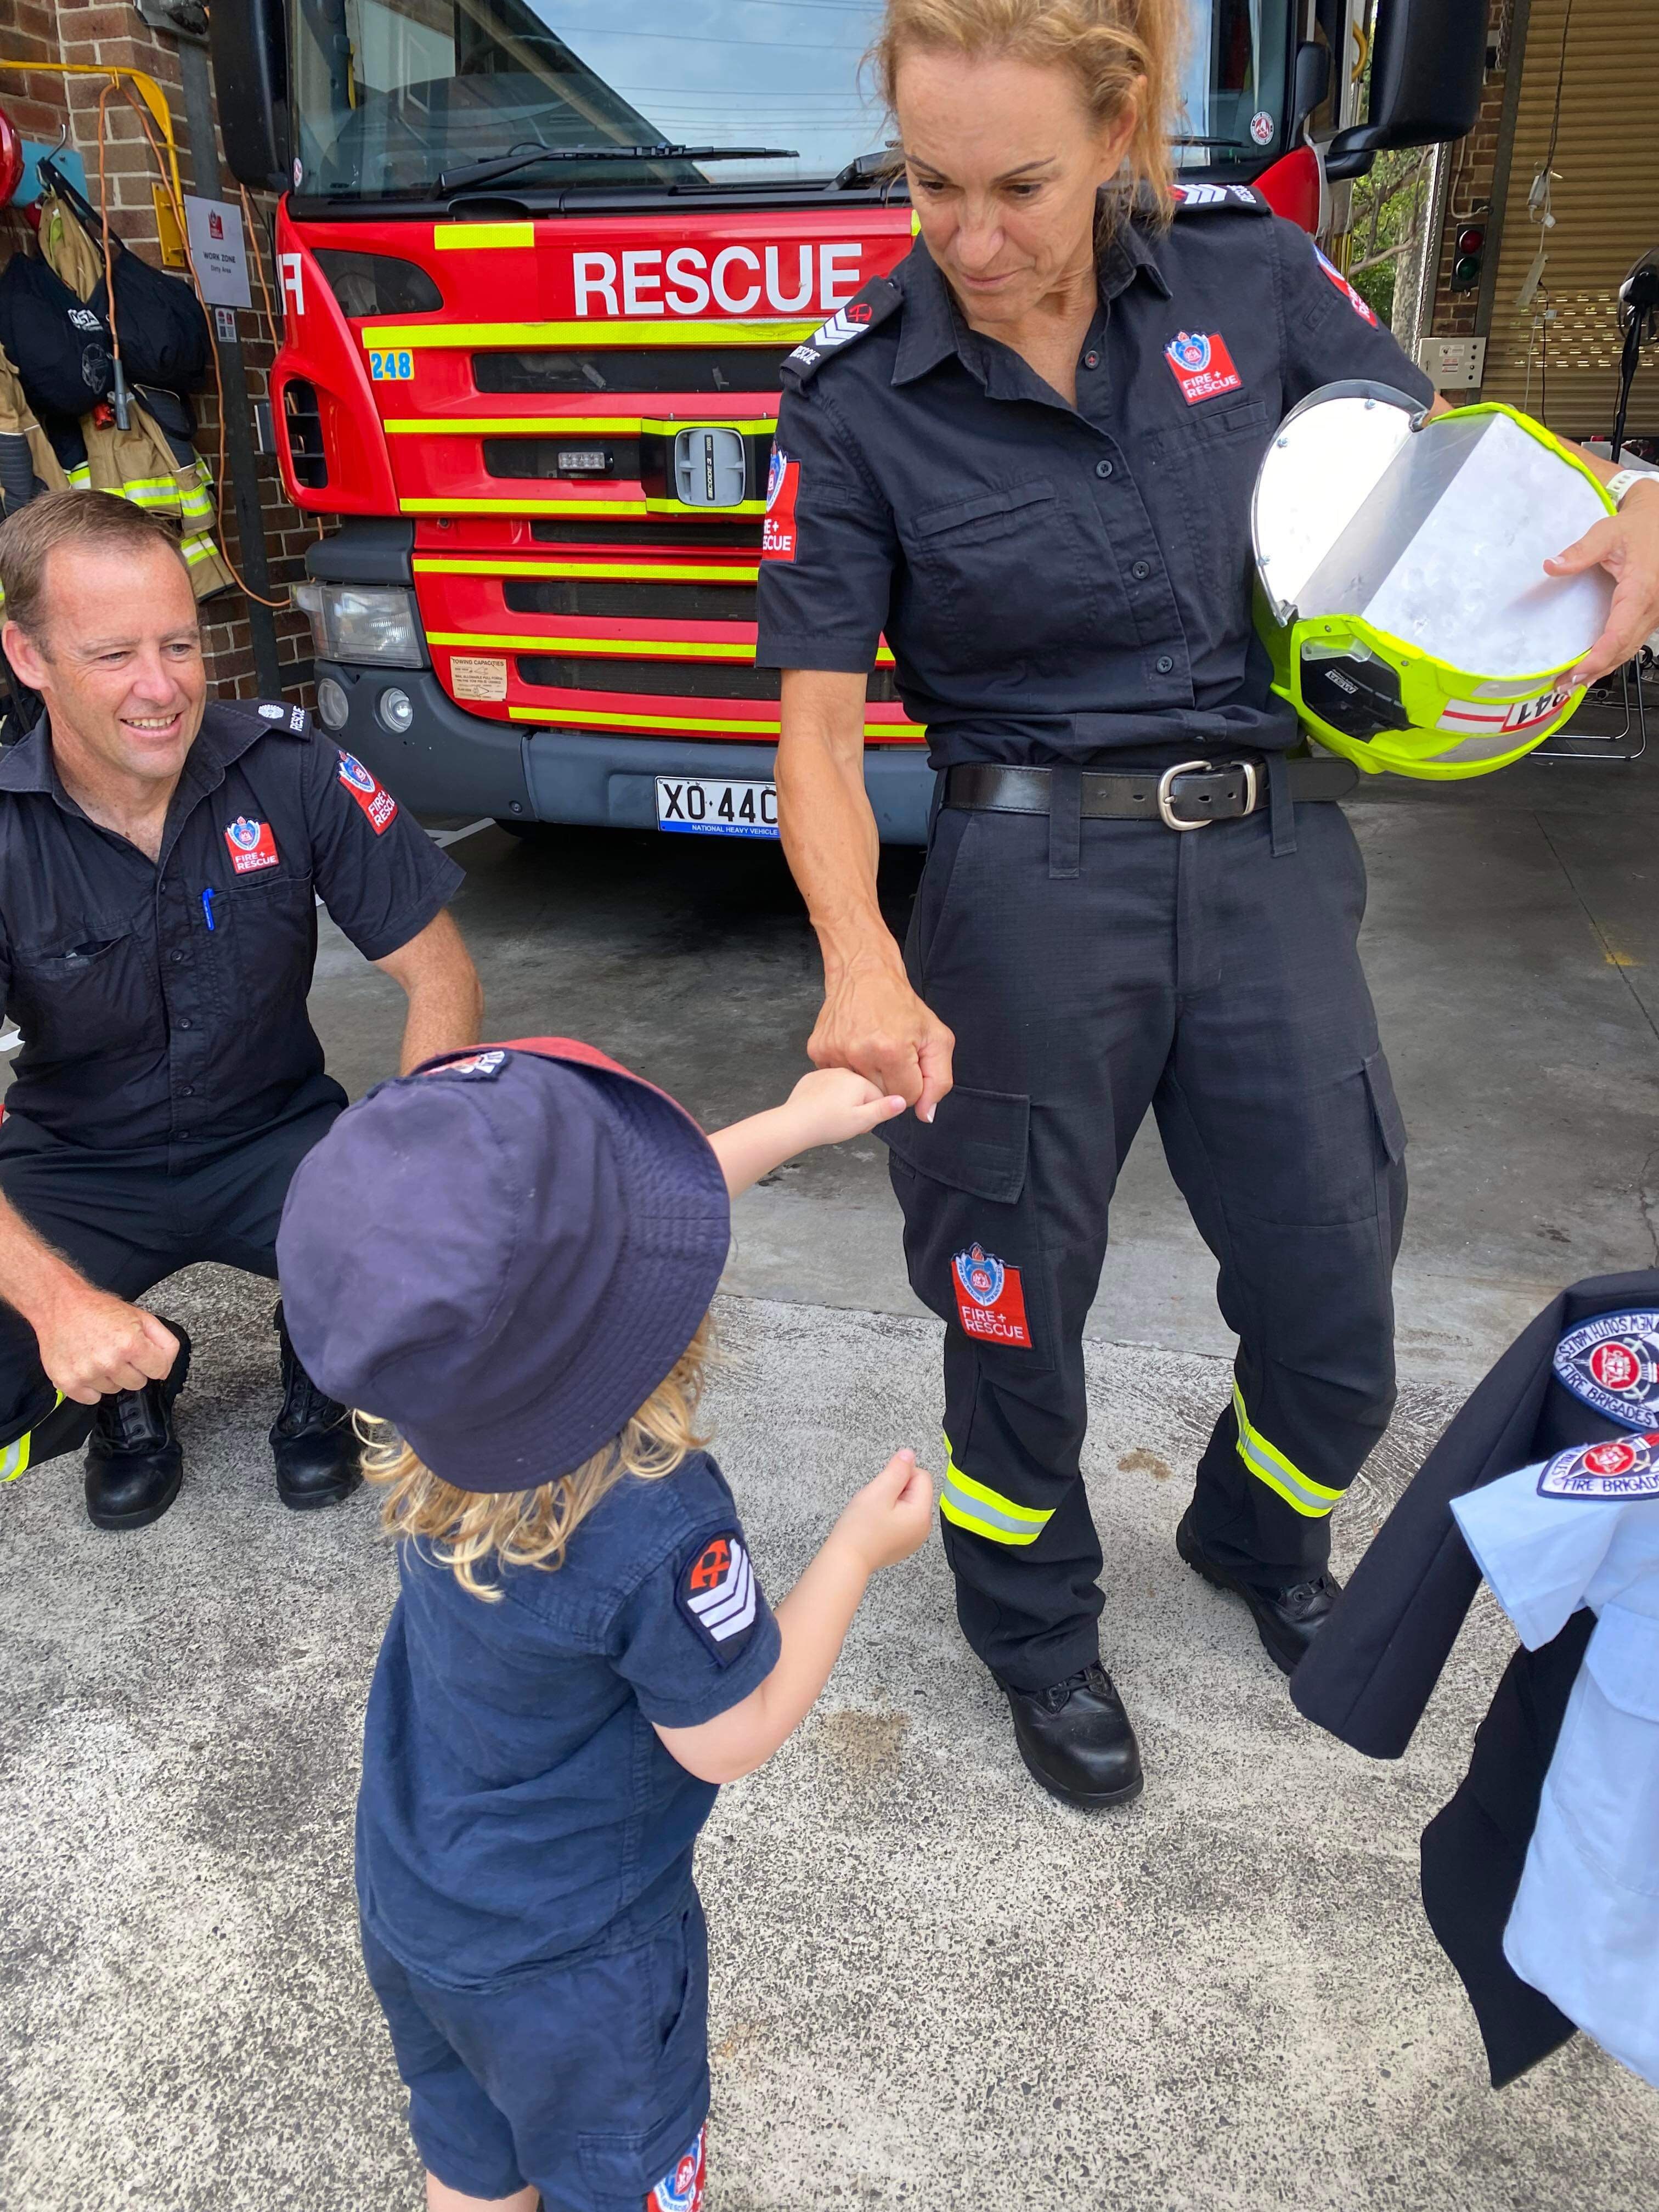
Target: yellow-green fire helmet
[[1399, 583]]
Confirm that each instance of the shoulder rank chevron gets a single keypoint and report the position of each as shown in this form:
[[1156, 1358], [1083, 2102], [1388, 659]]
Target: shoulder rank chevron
[[1198, 199], [862, 314]]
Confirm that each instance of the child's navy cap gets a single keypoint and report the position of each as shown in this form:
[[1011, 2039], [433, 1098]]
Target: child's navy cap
[[503, 1254]]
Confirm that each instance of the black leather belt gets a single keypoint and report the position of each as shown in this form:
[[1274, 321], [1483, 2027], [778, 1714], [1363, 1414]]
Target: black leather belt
[[1190, 796]]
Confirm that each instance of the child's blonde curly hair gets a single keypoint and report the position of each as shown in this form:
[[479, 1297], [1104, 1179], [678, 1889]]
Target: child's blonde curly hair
[[474, 1532]]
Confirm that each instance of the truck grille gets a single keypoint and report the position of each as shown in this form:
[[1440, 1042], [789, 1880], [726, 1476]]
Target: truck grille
[[673, 679], [635, 368], [673, 602], [691, 536]]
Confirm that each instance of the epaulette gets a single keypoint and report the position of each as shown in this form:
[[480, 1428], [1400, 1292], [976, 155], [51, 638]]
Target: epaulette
[[271, 714], [866, 312], [1207, 199]]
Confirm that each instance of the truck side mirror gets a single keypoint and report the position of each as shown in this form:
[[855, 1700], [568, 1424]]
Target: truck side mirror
[[249, 42], [1311, 82], [1427, 62]]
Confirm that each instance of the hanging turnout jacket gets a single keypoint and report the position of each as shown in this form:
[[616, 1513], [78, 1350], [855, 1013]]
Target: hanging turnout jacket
[[28, 466], [54, 321], [1370, 1676]]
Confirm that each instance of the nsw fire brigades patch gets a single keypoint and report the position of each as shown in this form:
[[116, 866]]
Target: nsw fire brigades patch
[[779, 532], [373, 797], [715, 1590], [1628, 1467], [1612, 1364], [990, 1300], [251, 846], [681, 2190]]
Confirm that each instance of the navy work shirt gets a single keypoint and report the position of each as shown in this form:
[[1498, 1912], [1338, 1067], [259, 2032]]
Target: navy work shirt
[[517, 1803], [1060, 583], [164, 1000]]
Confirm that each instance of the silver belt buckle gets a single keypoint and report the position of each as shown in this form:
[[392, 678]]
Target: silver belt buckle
[[1166, 792]]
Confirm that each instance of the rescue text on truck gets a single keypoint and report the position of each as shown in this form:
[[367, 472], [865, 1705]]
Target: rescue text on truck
[[540, 262]]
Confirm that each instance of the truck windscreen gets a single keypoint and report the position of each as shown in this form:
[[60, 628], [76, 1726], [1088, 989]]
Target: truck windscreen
[[392, 96]]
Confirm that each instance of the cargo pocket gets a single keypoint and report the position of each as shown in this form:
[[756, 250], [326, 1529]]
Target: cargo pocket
[[972, 1239], [623, 2166], [978, 1142]]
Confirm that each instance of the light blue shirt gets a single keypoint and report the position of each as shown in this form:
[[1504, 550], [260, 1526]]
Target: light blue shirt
[[1581, 1529]]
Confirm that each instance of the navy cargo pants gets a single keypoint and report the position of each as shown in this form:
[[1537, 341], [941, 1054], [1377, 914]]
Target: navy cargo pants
[[1217, 981], [126, 1220]]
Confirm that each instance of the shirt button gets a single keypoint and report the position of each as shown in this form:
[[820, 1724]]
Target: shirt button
[[1165, 663], [1091, 361], [1141, 570], [183, 1021], [1103, 468], [187, 1091], [176, 957]]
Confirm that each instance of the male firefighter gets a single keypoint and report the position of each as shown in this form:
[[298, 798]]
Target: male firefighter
[[160, 863]]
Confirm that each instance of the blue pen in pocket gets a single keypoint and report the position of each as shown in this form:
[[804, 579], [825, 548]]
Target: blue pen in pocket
[[207, 908]]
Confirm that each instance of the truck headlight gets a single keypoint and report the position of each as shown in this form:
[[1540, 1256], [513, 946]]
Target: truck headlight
[[368, 624]]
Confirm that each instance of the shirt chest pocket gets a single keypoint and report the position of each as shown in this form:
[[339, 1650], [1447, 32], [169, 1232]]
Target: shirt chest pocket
[[96, 993], [267, 926], [1004, 575], [1205, 470]]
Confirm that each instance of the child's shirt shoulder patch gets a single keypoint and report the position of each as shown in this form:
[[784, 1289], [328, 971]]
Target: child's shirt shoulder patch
[[714, 1589]]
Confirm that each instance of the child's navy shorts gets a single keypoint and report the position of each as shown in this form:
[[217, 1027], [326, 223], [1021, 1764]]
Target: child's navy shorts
[[590, 2080]]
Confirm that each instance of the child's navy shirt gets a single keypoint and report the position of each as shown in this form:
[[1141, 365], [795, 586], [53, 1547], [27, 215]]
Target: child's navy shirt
[[517, 1805]]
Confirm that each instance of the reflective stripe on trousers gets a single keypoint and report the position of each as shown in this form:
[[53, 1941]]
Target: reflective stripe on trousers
[[986, 1512], [15, 1456], [1269, 1464]]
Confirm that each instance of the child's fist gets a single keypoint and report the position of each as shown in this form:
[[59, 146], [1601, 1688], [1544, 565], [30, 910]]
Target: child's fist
[[834, 1103], [889, 1517]]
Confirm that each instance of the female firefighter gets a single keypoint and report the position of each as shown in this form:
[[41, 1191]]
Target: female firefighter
[[1027, 458]]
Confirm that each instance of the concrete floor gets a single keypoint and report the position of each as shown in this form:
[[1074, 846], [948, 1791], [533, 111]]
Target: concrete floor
[[932, 1985]]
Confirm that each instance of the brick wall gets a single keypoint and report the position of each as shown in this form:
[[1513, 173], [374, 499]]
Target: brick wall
[[1473, 160], [99, 33]]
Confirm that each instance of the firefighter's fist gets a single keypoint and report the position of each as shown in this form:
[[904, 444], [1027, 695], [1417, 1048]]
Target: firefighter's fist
[[871, 1020], [93, 1345], [833, 1104], [889, 1517]]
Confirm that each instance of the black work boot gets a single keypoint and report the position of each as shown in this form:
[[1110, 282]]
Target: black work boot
[[134, 1463], [1076, 1739], [1286, 1621], [318, 1454]]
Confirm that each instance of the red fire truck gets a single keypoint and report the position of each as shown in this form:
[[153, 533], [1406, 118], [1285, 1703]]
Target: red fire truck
[[540, 261]]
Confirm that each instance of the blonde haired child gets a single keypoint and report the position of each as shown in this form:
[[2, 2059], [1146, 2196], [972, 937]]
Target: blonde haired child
[[508, 1258]]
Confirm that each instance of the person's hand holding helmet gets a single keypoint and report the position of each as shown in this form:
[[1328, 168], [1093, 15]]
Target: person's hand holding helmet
[[1627, 546]]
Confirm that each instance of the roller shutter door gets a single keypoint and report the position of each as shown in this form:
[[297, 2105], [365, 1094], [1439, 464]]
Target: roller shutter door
[[1563, 366]]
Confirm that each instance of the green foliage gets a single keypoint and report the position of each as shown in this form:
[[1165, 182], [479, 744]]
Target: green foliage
[[1388, 209]]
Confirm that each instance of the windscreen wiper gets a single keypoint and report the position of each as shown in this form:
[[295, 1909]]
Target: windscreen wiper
[[1236, 145], [523, 157]]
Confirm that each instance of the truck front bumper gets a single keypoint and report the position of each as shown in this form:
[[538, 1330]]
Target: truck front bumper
[[449, 762]]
